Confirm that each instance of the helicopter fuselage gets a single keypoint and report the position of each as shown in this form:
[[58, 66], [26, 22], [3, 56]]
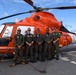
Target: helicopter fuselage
[[40, 20]]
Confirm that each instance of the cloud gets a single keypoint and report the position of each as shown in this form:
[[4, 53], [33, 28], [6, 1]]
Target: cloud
[[62, 19], [73, 30], [68, 26], [66, 1], [46, 3], [59, 1], [4, 1], [5, 14], [19, 1], [1, 7], [49, 10], [74, 1], [15, 10], [42, 2]]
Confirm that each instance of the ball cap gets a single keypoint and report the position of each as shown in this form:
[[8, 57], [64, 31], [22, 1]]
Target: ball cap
[[54, 28], [18, 29], [29, 29], [38, 28], [47, 29]]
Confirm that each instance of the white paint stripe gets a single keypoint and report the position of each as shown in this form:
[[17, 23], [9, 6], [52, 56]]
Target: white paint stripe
[[73, 62], [72, 55], [73, 37], [72, 52], [65, 58]]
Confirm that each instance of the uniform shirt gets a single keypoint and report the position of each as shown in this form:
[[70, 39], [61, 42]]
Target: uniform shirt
[[29, 38], [18, 40], [55, 35], [47, 37], [38, 38]]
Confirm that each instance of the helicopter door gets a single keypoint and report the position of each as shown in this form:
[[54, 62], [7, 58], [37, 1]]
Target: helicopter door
[[7, 34], [24, 28]]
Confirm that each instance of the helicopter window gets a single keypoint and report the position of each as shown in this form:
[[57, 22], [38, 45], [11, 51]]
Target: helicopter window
[[24, 28], [1, 28], [8, 31]]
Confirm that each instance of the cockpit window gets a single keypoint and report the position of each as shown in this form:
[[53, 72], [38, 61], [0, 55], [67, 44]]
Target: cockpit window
[[8, 32], [1, 28]]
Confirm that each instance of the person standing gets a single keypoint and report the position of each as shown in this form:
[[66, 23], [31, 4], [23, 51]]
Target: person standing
[[38, 45], [25, 32], [29, 40], [55, 48], [18, 42], [47, 45]]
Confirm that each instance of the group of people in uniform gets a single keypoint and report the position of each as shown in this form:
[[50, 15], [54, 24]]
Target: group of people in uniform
[[37, 47]]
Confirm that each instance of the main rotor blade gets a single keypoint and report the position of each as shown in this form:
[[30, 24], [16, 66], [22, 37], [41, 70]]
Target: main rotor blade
[[61, 8], [31, 11], [29, 2]]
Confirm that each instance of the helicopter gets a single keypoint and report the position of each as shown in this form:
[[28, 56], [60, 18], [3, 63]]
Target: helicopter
[[39, 19]]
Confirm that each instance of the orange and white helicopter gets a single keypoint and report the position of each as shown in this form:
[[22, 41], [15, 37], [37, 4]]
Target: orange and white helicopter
[[40, 19]]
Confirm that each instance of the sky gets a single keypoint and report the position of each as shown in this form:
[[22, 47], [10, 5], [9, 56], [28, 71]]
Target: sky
[[9, 7]]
